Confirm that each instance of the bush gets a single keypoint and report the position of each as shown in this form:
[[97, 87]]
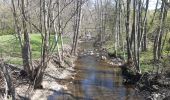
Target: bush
[[8, 31]]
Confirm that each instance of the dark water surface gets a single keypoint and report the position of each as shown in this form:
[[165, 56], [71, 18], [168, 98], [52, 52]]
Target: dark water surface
[[96, 80]]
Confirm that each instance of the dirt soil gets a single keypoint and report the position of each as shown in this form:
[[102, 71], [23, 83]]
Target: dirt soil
[[154, 86], [53, 79], [52, 82]]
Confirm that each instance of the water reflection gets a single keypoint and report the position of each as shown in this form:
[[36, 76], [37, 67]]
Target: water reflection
[[95, 80]]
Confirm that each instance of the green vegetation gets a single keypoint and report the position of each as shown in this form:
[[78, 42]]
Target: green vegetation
[[110, 48], [10, 47], [7, 31], [146, 57]]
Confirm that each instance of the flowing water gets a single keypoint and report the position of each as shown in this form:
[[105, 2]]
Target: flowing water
[[96, 80]]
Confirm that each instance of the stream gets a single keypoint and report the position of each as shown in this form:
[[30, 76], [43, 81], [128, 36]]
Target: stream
[[96, 80]]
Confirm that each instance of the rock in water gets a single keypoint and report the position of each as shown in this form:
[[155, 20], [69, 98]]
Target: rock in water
[[91, 53], [103, 58]]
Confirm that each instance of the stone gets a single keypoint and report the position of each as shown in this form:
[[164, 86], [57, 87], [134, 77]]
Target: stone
[[103, 58]]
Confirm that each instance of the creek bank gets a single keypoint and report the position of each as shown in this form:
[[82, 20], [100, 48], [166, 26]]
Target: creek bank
[[153, 86], [52, 80], [129, 74], [150, 85]]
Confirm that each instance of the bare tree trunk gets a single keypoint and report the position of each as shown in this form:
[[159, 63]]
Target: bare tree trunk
[[116, 28], [133, 42], [9, 83], [45, 51], [76, 26], [16, 23], [144, 29], [158, 37], [26, 50], [134, 34], [60, 33], [25, 44], [127, 30], [57, 39], [139, 35]]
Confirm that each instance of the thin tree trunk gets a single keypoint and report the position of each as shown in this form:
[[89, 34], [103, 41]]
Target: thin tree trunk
[[26, 53], [76, 26], [10, 87], [127, 30], [17, 29]]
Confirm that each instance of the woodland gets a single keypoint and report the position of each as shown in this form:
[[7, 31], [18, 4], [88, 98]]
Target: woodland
[[40, 41]]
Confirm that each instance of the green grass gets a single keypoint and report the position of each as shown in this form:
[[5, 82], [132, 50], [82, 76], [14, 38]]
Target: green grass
[[145, 61], [109, 46], [11, 51], [36, 42], [145, 57]]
